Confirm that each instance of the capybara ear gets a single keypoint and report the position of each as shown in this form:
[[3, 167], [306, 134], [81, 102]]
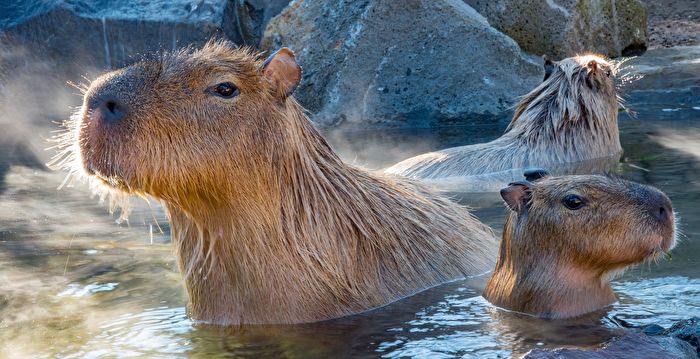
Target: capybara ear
[[549, 67], [517, 195], [534, 174], [282, 71]]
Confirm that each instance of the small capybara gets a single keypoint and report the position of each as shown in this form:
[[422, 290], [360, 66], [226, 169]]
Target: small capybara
[[269, 225], [570, 117], [566, 237]]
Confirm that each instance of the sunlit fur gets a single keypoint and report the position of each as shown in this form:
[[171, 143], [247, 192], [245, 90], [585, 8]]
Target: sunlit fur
[[556, 262], [268, 224], [571, 116]]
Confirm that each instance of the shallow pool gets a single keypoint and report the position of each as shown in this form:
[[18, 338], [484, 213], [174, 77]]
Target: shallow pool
[[74, 284]]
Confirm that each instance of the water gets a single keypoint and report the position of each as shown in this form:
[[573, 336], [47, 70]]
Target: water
[[74, 284]]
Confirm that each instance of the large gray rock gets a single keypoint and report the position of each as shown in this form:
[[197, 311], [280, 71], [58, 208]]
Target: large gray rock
[[562, 28], [109, 34], [413, 63]]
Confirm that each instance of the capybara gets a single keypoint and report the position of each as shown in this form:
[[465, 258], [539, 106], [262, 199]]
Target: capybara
[[570, 117], [566, 237], [268, 224]]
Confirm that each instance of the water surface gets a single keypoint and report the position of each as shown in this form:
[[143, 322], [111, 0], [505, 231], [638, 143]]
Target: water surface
[[75, 284]]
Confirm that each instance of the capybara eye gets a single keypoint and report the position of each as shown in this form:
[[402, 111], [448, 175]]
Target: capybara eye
[[226, 90], [573, 202]]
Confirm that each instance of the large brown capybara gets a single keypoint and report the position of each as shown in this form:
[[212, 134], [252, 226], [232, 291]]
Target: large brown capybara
[[570, 117], [268, 224], [566, 237]]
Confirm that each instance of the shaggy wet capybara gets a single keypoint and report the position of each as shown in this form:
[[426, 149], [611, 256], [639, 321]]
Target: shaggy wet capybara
[[570, 117], [269, 225], [566, 237]]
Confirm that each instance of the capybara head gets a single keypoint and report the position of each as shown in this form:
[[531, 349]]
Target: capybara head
[[582, 73], [161, 126], [593, 222], [576, 92], [567, 236]]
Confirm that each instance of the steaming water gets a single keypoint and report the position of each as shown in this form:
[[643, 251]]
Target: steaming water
[[74, 284]]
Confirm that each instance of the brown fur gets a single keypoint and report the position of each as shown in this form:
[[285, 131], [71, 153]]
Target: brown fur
[[268, 224], [570, 117], [556, 262]]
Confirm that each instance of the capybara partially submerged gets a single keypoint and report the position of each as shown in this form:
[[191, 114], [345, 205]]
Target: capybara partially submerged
[[570, 117], [268, 224], [566, 237]]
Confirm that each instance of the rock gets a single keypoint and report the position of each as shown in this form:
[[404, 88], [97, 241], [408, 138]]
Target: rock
[[251, 17], [687, 330], [673, 23], [652, 329], [414, 63], [632, 345], [108, 34], [676, 347], [562, 28]]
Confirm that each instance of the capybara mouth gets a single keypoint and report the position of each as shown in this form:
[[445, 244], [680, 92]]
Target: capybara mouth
[[662, 243], [97, 152], [668, 242]]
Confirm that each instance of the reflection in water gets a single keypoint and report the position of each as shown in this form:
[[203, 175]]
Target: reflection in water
[[75, 284], [658, 301], [458, 322]]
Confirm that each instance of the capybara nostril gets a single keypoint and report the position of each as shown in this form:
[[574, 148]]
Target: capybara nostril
[[657, 203], [662, 210], [110, 110]]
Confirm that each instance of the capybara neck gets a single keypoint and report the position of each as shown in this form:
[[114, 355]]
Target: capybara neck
[[544, 285], [269, 225], [570, 117], [566, 237]]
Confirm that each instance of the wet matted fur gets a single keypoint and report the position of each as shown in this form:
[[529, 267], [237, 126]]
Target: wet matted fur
[[566, 237], [570, 117], [268, 224]]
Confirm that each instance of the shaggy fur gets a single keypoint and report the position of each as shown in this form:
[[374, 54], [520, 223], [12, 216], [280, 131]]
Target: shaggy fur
[[570, 117], [268, 224], [557, 262]]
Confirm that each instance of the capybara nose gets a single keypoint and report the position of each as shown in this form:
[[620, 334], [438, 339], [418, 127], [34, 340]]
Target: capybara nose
[[663, 211], [109, 110], [660, 208], [593, 65]]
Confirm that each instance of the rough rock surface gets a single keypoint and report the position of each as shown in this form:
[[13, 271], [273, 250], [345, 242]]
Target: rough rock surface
[[629, 346], [687, 330], [562, 28], [109, 34], [673, 23], [413, 63]]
